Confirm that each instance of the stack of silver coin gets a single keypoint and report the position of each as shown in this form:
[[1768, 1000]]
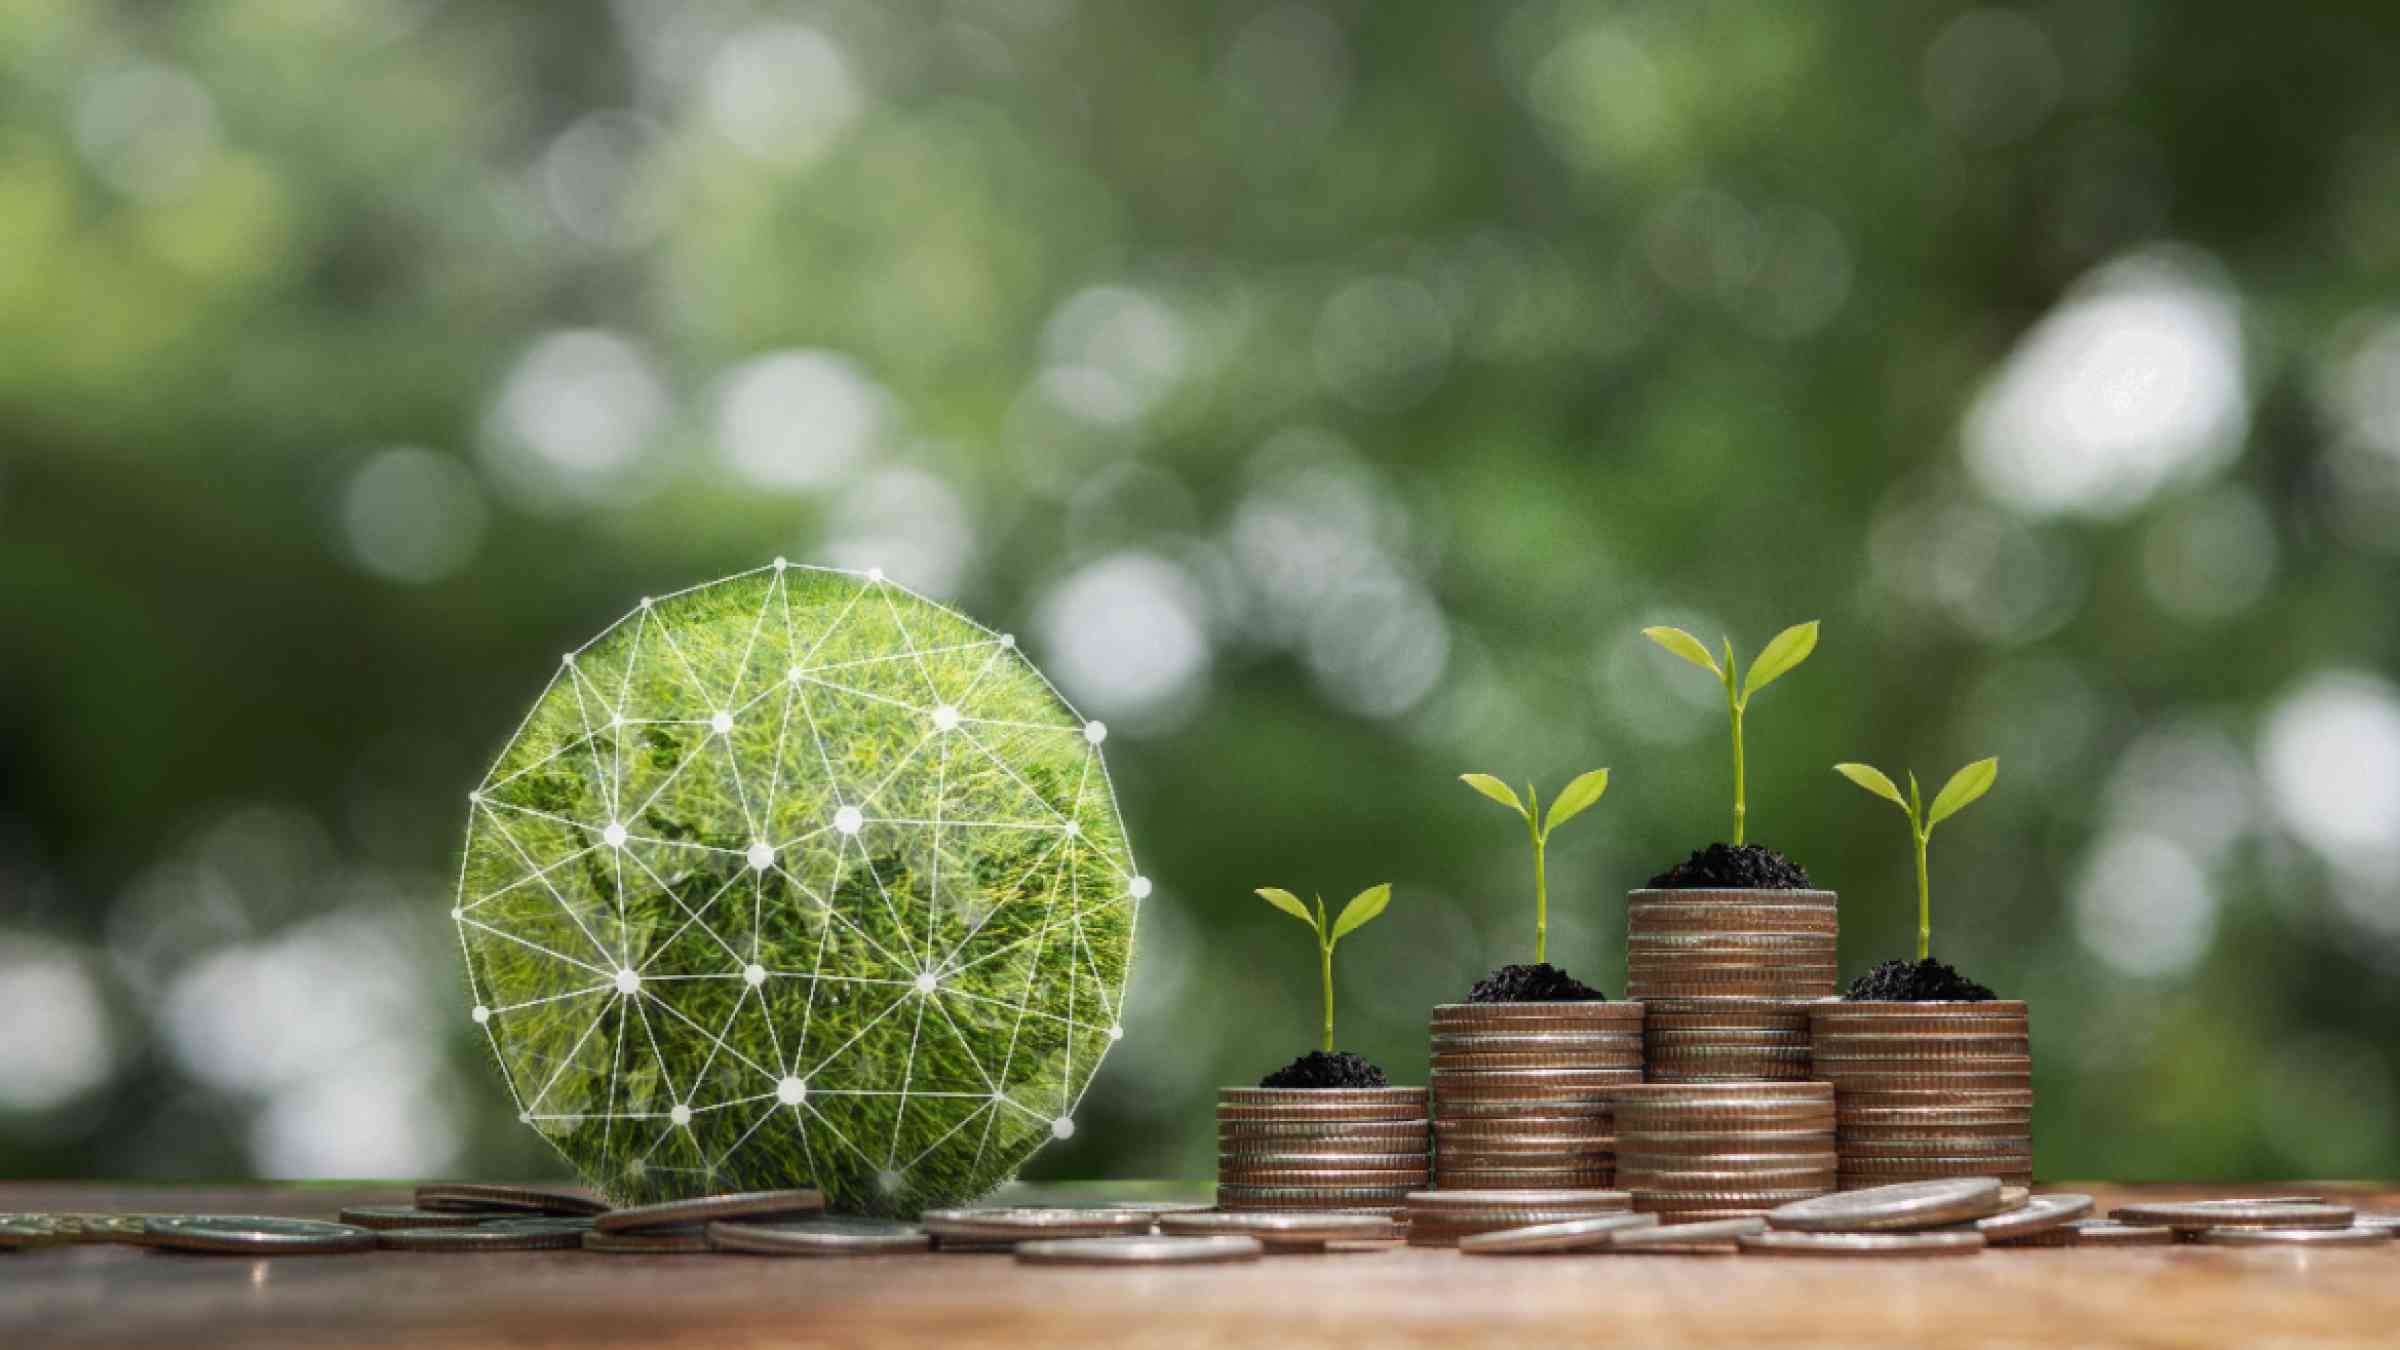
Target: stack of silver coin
[[1928, 1090], [1359, 1150], [1724, 973], [1694, 1151], [1521, 1092]]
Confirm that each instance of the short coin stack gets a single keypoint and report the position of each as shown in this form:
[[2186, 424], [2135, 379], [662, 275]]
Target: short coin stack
[[1694, 1151], [1725, 974], [1441, 1218], [1928, 1090], [1521, 1092], [1359, 1150]]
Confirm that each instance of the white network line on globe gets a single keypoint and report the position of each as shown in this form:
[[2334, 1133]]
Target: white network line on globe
[[618, 983]]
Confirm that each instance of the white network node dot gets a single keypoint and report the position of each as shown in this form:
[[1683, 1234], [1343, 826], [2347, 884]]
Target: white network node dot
[[874, 574], [698, 969]]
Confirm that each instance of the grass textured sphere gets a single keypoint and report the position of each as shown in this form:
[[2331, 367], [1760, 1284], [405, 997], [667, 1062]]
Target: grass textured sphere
[[798, 877]]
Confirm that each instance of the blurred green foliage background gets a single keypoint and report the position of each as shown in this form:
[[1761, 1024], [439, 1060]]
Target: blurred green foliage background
[[1327, 392]]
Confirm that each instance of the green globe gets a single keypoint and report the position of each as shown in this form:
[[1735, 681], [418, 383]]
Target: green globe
[[798, 878]]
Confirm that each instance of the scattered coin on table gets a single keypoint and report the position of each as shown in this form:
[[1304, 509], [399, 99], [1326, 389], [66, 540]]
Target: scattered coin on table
[[58, 1230], [2387, 1222], [828, 1235], [1542, 1238], [1790, 1243], [2194, 1215], [1018, 1223], [1285, 1230], [1139, 1251], [477, 1197], [2293, 1237], [245, 1235], [670, 1242], [521, 1235], [1709, 1237], [2037, 1215], [1898, 1208], [413, 1216], [709, 1208]]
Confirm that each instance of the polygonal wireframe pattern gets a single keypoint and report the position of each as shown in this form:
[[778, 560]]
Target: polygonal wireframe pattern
[[798, 877]]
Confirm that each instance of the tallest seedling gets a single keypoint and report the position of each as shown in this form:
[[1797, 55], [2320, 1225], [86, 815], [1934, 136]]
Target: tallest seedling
[[1790, 648]]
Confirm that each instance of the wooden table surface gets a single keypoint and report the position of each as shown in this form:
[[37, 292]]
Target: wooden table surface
[[2173, 1296]]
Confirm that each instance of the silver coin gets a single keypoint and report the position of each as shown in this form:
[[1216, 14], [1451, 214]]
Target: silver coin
[[411, 1216], [522, 1235], [1471, 1201], [256, 1236], [1680, 1236], [650, 1242], [826, 1235], [2294, 1237], [1012, 1223], [1284, 1228], [2193, 1215], [2390, 1223], [1139, 1251], [707, 1208], [1572, 1235], [1909, 1205], [477, 1197], [2039, 1214], [1948, 1243]]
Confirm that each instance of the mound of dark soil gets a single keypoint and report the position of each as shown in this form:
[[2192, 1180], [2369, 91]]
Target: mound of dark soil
[[1752, 867], [1543, 983], [1926, 981], [1316, 1069]]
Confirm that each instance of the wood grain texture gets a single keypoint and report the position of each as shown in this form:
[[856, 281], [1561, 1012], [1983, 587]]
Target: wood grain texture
[[1393, 1297]]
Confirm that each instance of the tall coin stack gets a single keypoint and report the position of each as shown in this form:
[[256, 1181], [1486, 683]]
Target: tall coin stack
[[1521, 1092], [1694, 1151], [1356, 1150], [1724, 973], [1928, 1090]]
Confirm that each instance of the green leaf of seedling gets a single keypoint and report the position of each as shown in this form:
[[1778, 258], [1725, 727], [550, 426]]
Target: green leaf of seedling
[[1964, 787], [1576, 798], [1788, 649], [1362, 907], [1873, 780], [1493, 788], [1289, 904], [1916, 804], [1686, 646]]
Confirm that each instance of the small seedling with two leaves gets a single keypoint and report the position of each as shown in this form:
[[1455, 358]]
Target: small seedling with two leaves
[[1573, 800], [1964, 786], [1363, 907], [1788, 649]]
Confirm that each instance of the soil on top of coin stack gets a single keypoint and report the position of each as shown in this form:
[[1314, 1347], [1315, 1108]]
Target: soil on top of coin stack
[[1316, 1069], [1748, 867], [1926, 981], [1540, 983]]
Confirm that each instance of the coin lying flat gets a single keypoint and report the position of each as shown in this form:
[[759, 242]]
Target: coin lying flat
[[824, 1236], [1018, 1223], [2294, 1237], [411, 1216], [1951, 1243], [1139, 1251], [2390, 1223], [56, 1230], [1572, 1235], [2189, 1215], [690, 1213], [524, 1235], [2108, 1233], [656, 1243], [476, 1196], [2037, 1214], [1909, 1205], [256, 1236], [1285, 1230], [1709, 1235]]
